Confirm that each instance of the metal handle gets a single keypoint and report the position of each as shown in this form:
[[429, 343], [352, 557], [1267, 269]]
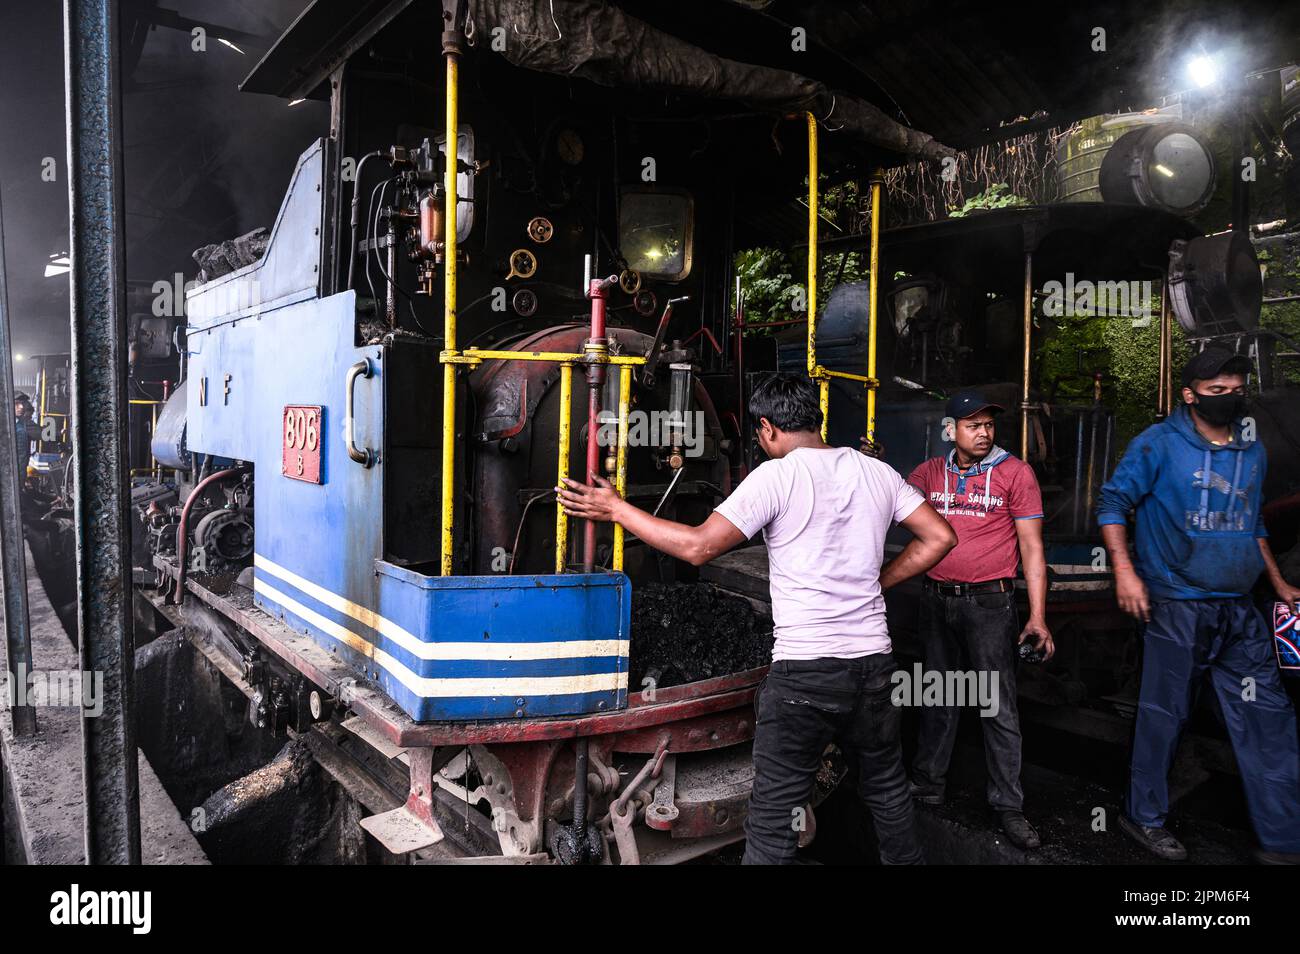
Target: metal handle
[[362, 455]]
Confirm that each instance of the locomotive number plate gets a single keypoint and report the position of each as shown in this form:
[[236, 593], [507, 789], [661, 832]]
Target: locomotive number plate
[[302, 436]]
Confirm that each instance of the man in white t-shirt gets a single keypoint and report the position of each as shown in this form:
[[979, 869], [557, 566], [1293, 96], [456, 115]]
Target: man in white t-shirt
[[824, 512]]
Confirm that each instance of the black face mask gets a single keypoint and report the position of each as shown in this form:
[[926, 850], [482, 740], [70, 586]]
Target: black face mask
[[1220, 409]]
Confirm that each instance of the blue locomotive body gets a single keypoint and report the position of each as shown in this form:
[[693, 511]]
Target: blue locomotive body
[[262, 339]]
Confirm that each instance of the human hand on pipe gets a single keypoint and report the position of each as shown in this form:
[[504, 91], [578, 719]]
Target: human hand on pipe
[[871, 448], [600, 502]]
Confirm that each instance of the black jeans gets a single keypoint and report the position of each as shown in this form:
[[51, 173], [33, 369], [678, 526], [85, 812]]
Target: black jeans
[[803, 706], [978, 631]]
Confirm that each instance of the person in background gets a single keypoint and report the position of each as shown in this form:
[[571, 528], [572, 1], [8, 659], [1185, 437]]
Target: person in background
[[1195, 483], [968, 606], [26, 432], [824, 512]]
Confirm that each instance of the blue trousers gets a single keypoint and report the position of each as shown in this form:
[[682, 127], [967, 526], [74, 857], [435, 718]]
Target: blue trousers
[[1231, 639]]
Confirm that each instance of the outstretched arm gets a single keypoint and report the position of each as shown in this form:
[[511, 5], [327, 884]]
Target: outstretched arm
[[932, 538], [695, 545]]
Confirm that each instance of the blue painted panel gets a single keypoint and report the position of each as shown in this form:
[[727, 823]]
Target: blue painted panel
[[327, 533], [459, 648], [454, 648], [217, 420]]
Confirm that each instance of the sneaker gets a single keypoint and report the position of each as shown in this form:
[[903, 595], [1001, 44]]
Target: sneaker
[[1159, 841], [926, 796], [1018, 830]]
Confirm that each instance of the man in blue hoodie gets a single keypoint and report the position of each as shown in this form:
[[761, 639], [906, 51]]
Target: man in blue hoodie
[[1196, 483]]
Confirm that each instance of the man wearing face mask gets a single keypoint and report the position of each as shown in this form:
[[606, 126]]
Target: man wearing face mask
[[1196, 484]]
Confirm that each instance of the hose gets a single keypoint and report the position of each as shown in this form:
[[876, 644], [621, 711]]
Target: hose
[[182, 537], [356, 209]]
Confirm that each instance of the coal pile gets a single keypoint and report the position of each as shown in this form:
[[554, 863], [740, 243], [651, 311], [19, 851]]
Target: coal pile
[[232, 255], [684, 632]]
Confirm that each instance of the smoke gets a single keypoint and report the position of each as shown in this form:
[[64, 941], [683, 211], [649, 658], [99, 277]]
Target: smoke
[[202, 161]]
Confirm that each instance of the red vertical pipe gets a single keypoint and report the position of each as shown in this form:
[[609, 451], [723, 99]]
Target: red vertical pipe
[[595, 379]]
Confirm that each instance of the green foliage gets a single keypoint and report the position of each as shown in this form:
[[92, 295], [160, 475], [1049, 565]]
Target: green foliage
[[1128, 357], [1284, 318], [768, 284], [774, 281], [996, 196]]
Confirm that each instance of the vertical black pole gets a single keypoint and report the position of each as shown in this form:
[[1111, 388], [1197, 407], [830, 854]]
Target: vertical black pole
[[18, 634], [99, 424], [1240, 187]]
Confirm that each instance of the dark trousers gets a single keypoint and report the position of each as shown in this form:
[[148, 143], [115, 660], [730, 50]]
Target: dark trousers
[[1231, 639], [978, 632], [803, 706]]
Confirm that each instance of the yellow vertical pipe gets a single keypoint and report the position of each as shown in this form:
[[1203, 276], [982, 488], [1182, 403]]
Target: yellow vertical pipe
[[620, 465], [562, 471], [824, 399], [877, 194], [449, 316], [1029, 329], [812, 246]]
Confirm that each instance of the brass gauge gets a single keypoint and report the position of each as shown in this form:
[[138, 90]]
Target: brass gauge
[[523, 264], [540, 230], [630, 281]]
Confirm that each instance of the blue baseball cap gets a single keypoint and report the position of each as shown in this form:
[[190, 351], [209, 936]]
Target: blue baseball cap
[[968, 402]]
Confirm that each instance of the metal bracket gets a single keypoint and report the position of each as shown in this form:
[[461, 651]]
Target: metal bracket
[[411, 827], [662, 812]]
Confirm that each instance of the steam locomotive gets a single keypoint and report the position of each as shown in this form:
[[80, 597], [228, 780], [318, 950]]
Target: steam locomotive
[[478, 282]]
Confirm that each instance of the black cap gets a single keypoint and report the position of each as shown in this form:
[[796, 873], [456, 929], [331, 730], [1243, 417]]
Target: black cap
[[965, 403], [1212, 362]]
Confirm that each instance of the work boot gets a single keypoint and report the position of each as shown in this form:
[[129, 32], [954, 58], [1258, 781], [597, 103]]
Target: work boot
[[1018, 830], [1265, 857], [1159, 841], [926, 796]]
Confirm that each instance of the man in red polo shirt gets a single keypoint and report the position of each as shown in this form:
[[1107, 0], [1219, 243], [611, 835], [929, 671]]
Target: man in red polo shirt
[[968, 607]]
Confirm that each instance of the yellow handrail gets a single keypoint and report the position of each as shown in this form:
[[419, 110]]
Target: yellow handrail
[[620, 460], [449, 313], [877, 194], [477, 356], [562, 471], [818, 373]]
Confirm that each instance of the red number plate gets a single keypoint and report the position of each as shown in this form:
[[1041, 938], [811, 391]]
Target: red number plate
[[302, 436]]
